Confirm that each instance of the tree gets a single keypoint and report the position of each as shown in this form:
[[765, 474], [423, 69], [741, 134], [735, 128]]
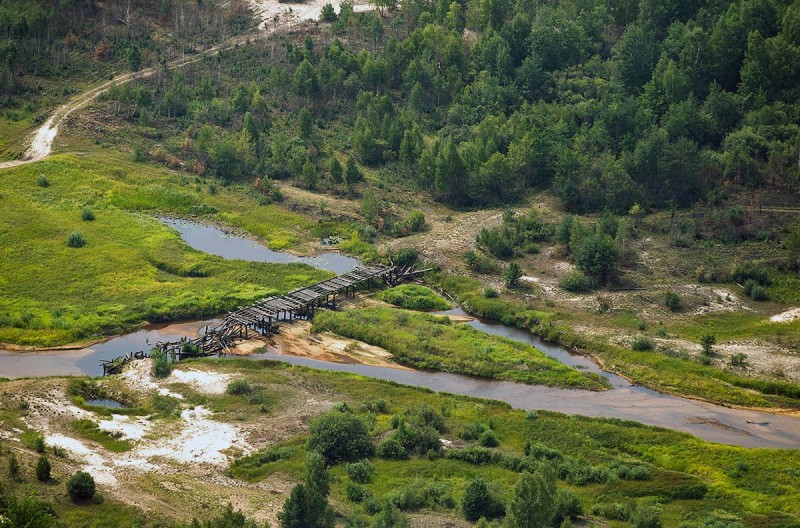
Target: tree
[[390, 517], [328, 14], [80, 486], [307, 504], [306, 82], [477, 501], [134, 56], [309, 175], [512, 274], [43, 469], [305, 123], [351, 174], [597, 256], [534, 501], [336, 170], [27, 512], [707, 342], [13, 466], [340, 436]]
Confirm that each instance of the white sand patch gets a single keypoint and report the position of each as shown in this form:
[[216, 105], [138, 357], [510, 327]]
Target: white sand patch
[[787, 316], [202, 440], [138, 377], [275, 14], [93, 463], [208, 382], [528, 278], [126, 427]]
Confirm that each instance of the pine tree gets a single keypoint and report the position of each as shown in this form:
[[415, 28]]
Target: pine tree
[[336, 171], [307, 505], [352, 174], [477, 501], [43, 469], [513, 274]]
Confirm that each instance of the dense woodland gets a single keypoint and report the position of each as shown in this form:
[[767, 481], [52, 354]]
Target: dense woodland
[[609, 103]]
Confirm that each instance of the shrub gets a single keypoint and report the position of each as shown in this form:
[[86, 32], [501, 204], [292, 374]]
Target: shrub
[[340, 436], [361, 471], [738, 360], [745, 271], [575, 281], [80, 486], [87, 215], [489, 439], [707, 342], [161, 364], [642, 344], [568, 506], [472, 431], [13, 466], [480, 263], [391, 449], [76, 240], [512, 274], [673, 301], [328, 14], [239, 387], [490, 293], [759, 293], [43, 469], [478, 502], [406, 257], [414, 297], [415, 222], [645, 517], [43, 181], [354, 492]]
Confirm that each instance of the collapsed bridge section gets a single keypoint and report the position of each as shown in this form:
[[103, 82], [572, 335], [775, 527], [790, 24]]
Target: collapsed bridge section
[[262, 317]]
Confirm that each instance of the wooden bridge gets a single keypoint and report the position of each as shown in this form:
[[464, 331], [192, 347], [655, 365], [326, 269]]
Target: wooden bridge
[[263, 317]]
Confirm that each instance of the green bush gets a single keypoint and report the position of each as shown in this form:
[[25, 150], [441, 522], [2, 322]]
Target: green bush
[[575, 281], [239, 387], [361, 471], [391, 449], [673, 301], [354, 492], [472, 431], [87, 215], [568, 506], [481, 264], [161, 365], [489, 439], [414, 297], [80, 486], [43, 181], [76, 240], [43, 469], [406, 257], [340, 436], [746, 271], [490, 293], [642, 344], [478, 502]]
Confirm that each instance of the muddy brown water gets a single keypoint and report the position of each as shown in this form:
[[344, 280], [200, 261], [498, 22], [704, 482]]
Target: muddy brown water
[[623, 401]]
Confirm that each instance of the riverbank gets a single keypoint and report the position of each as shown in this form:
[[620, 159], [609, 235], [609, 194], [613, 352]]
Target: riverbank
[[180, 460]]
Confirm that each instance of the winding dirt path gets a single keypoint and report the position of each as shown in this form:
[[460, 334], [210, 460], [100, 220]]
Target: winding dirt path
[[42, 140]]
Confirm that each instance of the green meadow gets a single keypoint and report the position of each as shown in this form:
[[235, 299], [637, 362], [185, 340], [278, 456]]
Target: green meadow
[[433, 342], [130, 268]]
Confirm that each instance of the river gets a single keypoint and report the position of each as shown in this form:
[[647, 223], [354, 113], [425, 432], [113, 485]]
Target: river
[[624, 401]]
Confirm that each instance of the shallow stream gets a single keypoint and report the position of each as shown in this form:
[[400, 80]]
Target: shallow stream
[[624, 400]]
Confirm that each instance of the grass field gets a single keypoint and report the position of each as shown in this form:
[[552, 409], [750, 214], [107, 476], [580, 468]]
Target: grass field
[[691, 479], [132, 268], [431, 342]]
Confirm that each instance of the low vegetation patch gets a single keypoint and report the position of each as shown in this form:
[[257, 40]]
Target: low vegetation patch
[[90, 430], [414, 297], [432, 342]]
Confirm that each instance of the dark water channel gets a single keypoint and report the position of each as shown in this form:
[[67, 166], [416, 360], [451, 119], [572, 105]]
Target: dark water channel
[[624, 400]]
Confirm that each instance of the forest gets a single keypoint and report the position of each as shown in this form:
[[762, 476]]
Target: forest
[[609, 104]]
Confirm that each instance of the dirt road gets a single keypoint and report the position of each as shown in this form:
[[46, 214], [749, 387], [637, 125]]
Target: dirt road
[[281, 16]]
